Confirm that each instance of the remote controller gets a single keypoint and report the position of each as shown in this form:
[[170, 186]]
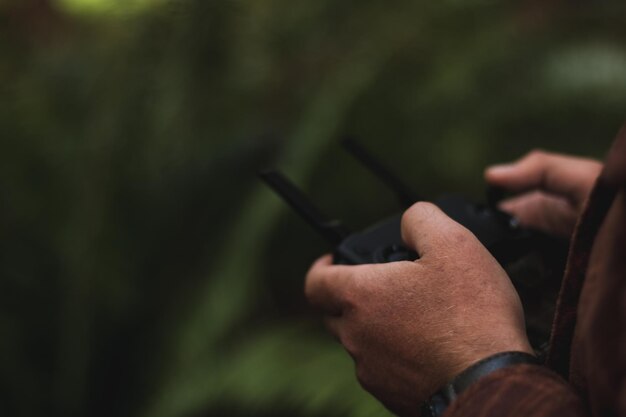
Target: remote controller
[[382, 242]]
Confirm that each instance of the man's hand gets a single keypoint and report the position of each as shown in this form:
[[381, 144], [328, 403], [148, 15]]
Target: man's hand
[[413, 326], [555, 188]]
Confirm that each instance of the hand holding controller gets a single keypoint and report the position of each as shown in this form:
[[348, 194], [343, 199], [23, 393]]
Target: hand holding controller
[[413, 326]]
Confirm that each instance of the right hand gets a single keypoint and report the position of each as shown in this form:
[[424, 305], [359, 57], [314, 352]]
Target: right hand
[[555, 188], [411, 327]]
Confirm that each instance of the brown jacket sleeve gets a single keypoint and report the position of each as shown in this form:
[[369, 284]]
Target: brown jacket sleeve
[[518, 391], [586, 366]]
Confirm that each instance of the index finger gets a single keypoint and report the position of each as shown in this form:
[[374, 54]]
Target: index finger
[[562, 175], [326, 285]]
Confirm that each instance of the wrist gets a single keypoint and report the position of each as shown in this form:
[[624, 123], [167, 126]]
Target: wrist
[[515, 342], [438, 402]]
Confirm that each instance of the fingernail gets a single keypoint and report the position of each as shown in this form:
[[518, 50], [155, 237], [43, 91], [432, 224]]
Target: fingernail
[[498, 170]]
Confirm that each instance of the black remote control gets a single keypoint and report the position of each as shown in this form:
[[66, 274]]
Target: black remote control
[[382, 242]]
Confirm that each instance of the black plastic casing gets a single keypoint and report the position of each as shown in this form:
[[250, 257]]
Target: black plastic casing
[[382, 242]]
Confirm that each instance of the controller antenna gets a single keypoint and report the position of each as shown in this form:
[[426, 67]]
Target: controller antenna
[[330, 229], [403, 193]]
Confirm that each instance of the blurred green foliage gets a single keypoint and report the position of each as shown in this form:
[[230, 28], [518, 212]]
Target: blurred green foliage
[[143, 269]]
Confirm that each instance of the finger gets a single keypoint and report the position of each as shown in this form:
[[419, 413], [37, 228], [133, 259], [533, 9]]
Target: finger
[[425, 228], [339, 327], [566, 176], [326, 285], [542, 211]]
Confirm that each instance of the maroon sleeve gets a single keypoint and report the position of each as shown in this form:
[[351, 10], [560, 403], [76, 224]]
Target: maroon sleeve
[[589, 334], [521, 390]]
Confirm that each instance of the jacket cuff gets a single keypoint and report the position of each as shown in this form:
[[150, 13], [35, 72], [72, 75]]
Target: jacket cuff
[[518, 391], [438, 402]]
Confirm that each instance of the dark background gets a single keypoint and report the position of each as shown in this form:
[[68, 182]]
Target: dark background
[[145, 271]]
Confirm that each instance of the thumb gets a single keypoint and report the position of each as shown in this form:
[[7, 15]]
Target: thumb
[[427, 229]]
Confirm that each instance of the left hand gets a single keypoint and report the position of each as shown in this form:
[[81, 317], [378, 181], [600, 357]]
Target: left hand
[[554, 189], [411, 327]]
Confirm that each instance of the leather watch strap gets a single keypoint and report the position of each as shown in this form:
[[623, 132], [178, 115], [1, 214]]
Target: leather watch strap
[[437, 403]]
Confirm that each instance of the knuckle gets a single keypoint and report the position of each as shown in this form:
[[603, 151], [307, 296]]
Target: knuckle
[[537, 152], [317, 280], [538, 155], [315, 288]]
